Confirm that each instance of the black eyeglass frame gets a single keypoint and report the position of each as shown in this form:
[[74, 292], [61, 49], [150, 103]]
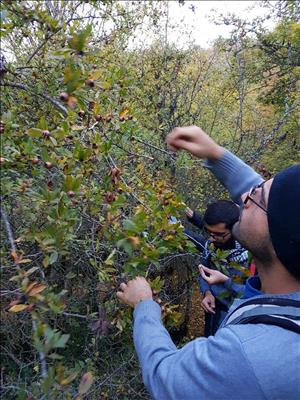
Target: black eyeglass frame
[[251, 193], [216, 236]]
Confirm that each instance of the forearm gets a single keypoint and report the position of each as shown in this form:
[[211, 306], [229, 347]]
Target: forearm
[[196, 219], [204, 286], [234, 174], [198, 240], [199, 370]]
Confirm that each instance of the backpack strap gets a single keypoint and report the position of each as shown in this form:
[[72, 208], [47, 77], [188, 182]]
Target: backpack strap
[[284, 313]]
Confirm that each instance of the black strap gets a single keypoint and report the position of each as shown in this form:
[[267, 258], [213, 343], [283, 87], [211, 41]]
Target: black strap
[[289, 322], [275, 301], [271, 320]]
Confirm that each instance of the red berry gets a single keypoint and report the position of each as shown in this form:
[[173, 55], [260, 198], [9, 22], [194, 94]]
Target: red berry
[[48, 165], [90, 83], [35, 161], [70, 193], [46, 133], [64, 96], [98, 118], [81, 113]]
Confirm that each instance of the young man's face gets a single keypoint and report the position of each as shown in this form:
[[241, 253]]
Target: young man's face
[[217, 234], [252, 228]]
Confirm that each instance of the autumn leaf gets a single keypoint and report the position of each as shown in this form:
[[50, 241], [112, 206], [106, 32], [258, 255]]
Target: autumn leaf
[[135, 241], [124, 113], [18, 308], [15, 256], [85, 383], [30, 286], [69, 379], [36, 289]]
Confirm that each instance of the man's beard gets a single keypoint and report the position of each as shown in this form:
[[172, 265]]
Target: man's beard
[[229, 244], [259, 247]]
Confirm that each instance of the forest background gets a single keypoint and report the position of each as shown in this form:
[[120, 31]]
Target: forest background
[[88, 185]]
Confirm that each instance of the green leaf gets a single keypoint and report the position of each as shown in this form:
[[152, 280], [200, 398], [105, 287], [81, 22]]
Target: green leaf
[[53, 257], [70, 275], [55, 356], [34, 132], [61, 341], [53, 140], [123, 243], [130, 225], [109, 260], [78, 40]]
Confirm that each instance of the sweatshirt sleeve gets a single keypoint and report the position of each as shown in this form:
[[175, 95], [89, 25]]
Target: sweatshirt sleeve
[[199, 370], [198, 240], [234, 174], [204, 286], [196, 219], [236, 289]]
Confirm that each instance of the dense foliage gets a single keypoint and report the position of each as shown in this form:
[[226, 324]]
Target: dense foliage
[[88, 185]]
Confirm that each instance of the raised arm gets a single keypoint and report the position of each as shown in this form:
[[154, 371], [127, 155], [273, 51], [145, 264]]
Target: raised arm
[[232, 172]]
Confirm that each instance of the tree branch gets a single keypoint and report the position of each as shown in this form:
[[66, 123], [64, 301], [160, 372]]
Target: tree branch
[[9, 231], [42, 356], [154, 147], [54, 102]]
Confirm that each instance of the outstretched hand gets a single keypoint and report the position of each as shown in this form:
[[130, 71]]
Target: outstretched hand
[[135, 291], [189, 212], [194, 140], [212, 276]]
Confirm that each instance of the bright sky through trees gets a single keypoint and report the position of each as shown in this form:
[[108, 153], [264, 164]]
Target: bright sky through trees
[[196, 17]]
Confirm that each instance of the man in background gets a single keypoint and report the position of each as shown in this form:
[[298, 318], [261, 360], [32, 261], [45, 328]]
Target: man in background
[[216, 225]]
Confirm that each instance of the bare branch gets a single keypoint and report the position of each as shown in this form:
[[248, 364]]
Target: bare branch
[[154, 147], [9, 231], [42, 356]]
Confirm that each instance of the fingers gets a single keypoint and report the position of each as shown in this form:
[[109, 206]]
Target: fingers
[[123, 286], [203, 272], [205, 269], [208, 307], [120, 296]]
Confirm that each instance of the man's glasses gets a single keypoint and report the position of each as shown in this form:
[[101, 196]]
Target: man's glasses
[[215, 235], [252, 193]]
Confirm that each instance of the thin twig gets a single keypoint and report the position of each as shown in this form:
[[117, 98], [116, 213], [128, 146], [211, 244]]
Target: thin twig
[[59, 106], [67, 314], [9, 231], [42, 356], [154, 147], [110, 160]]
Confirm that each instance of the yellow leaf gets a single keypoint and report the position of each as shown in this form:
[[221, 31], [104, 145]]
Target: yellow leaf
[[95, 74], [124, 113], [36, 289], [85, 383], [18, 308], [69, 379], [24, 261]]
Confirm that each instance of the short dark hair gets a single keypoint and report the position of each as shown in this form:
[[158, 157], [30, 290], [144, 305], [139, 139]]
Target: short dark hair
[[222, 211]]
